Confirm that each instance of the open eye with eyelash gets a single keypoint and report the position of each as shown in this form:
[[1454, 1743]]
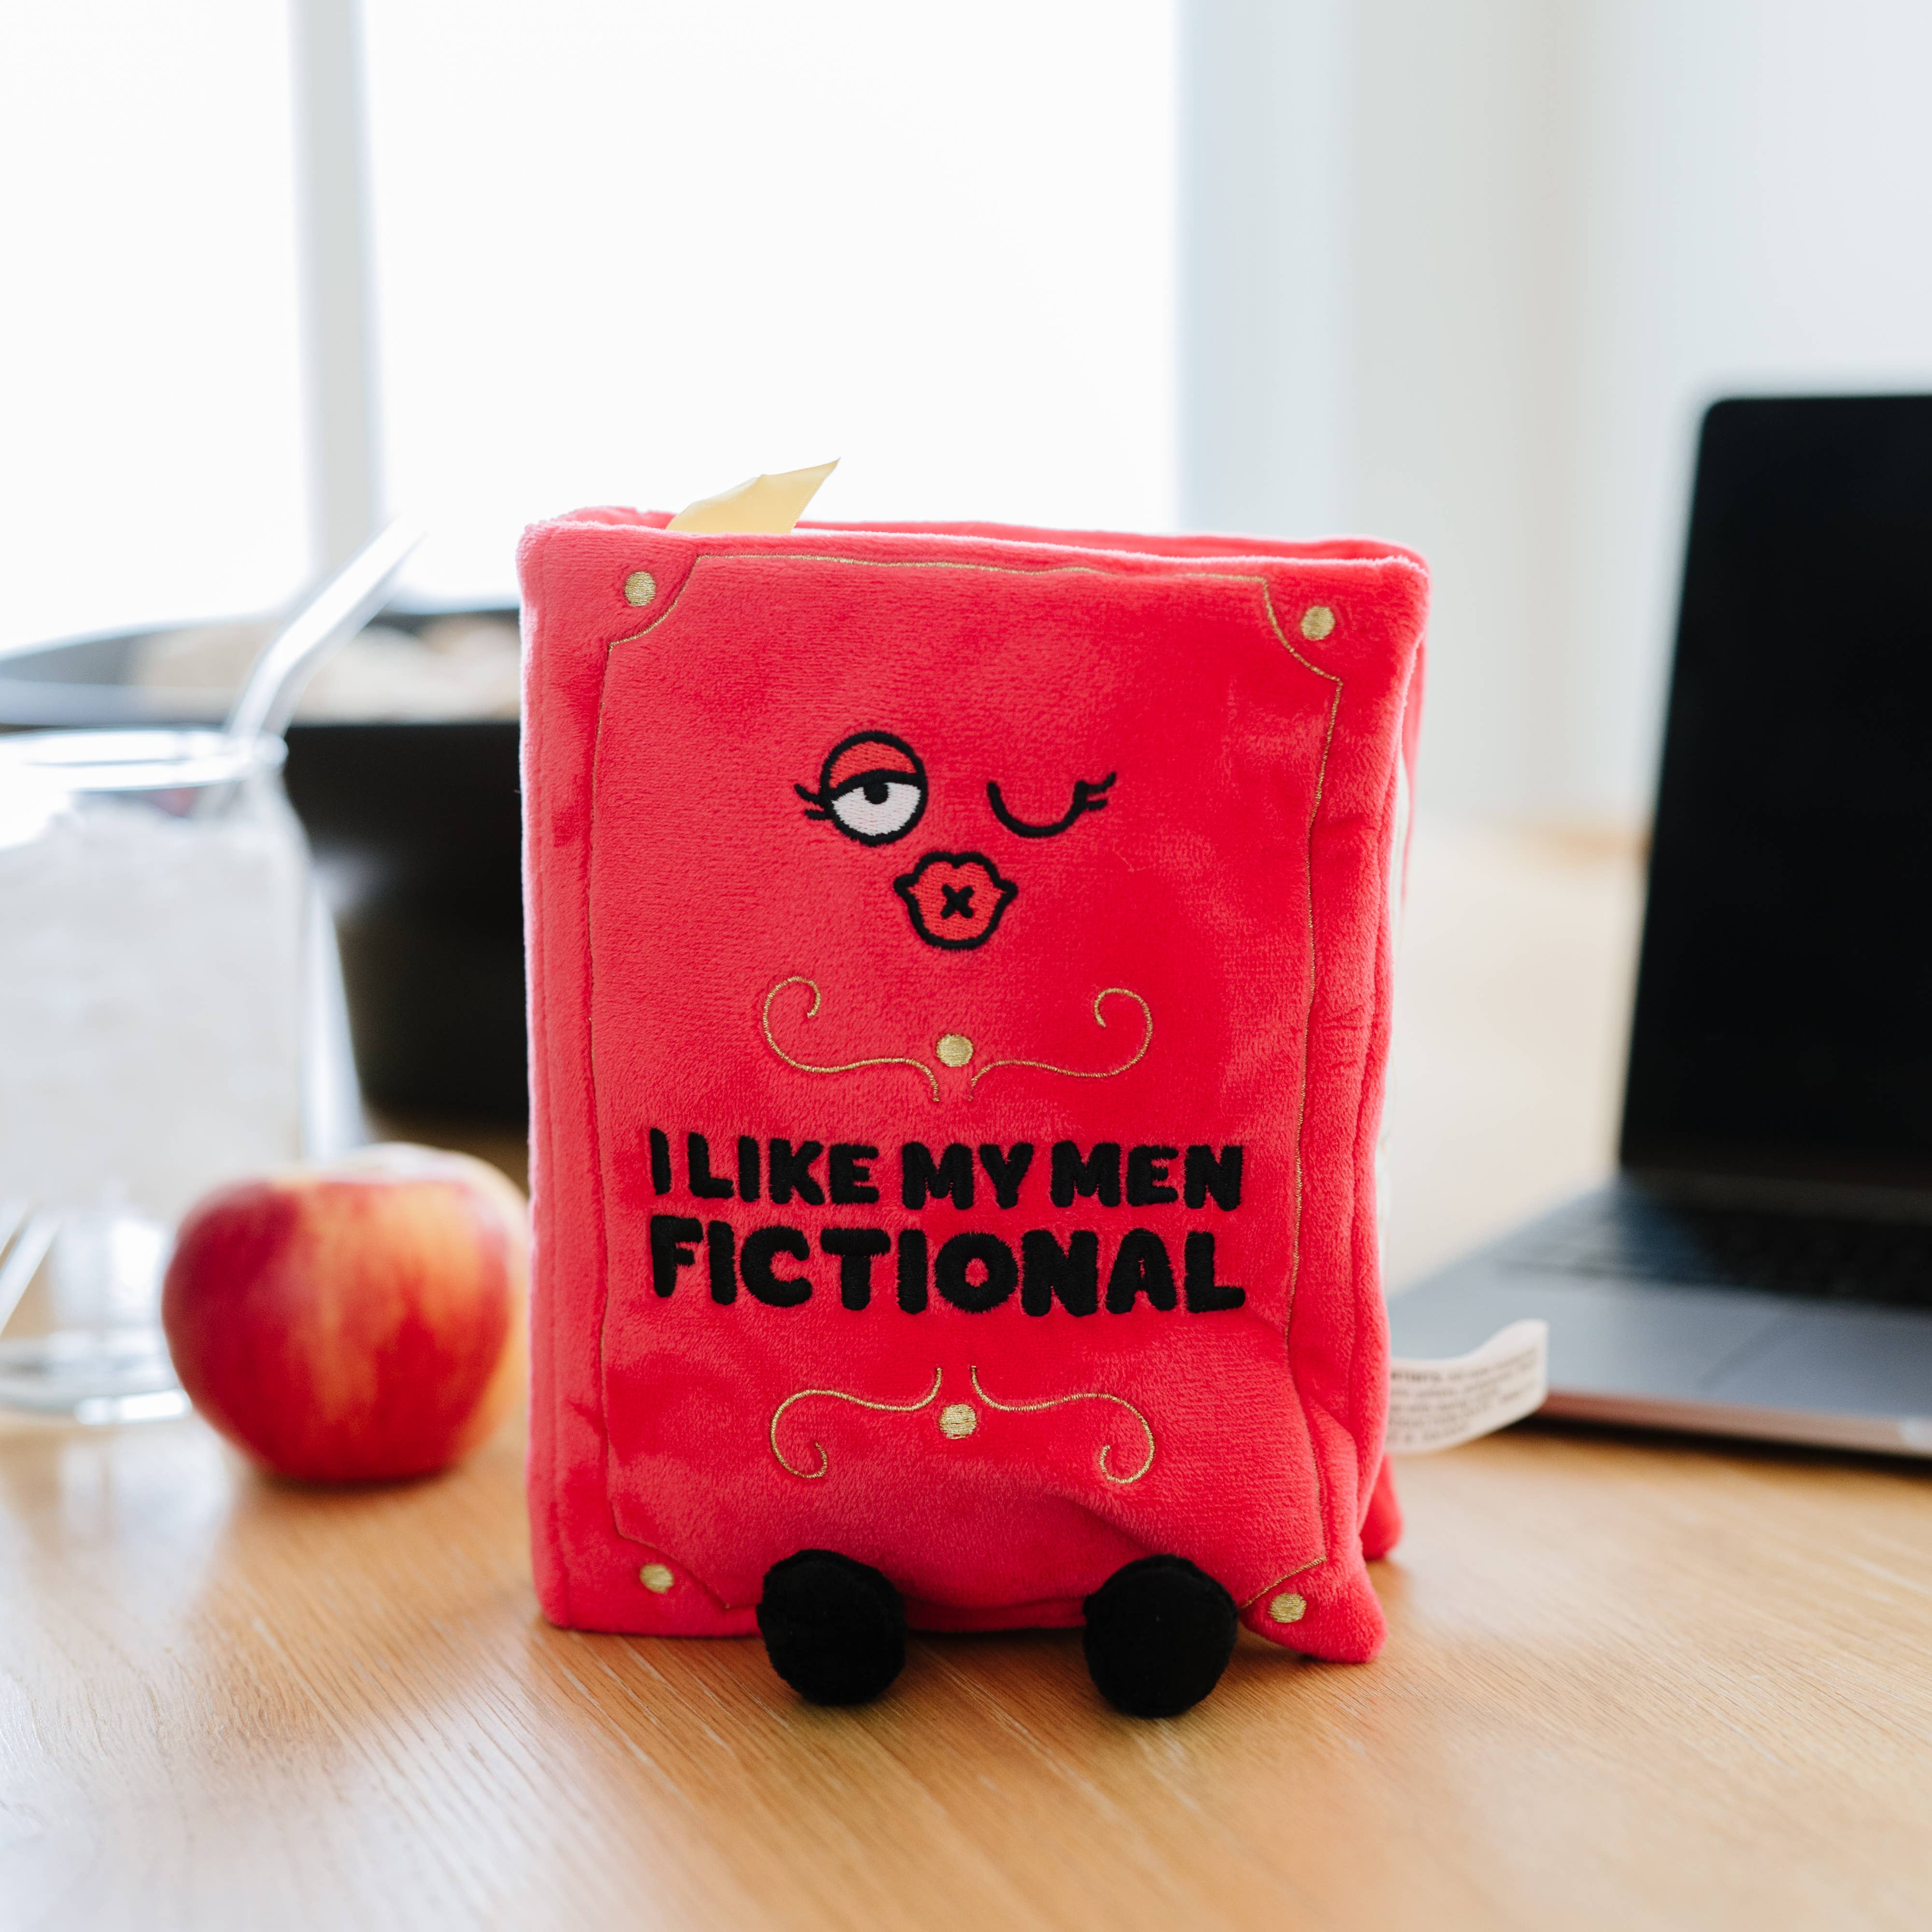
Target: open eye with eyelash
[[1089, 795], [872, 788]]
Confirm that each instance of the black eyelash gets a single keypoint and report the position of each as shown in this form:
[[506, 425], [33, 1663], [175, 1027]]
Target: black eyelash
[[819, 804], [1087, 797]]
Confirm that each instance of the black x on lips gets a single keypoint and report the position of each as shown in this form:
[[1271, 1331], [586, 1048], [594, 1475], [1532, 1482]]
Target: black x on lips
[[955, 898]]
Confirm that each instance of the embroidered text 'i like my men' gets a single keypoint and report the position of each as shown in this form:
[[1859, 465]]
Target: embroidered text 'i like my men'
[[785, 1168]]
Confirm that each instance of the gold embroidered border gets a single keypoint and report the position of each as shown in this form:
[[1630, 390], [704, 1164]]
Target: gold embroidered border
[[849, 1065], [1083, 1395], [840, 1395], [1075, 1073]]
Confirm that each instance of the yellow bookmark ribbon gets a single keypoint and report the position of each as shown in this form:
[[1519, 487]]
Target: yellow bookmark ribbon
[[769, 505]]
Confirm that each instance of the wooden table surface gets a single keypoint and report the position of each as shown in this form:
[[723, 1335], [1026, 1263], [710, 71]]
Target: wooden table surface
[[1629, 1683]]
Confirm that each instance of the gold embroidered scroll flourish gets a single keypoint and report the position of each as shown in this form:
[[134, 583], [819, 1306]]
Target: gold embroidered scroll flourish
[[1084, 1395], [1078, 1073], [849, 1065], [838, 1395]]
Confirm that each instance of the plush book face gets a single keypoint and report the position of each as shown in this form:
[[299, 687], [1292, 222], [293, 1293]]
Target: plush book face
[[915, 821], [951, 952]]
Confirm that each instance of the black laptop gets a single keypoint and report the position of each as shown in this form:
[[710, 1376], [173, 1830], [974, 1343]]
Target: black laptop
[[1762, 1264]]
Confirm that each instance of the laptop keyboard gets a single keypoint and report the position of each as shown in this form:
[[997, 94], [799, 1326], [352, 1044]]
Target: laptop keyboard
[[1627, 1236]]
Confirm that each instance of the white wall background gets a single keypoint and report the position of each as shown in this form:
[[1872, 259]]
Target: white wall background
[[151, 406], [632, 253], [1458, 271], [625, 250], [1511, 248]]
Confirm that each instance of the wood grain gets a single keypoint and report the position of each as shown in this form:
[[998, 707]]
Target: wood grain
[[1630, 1684]]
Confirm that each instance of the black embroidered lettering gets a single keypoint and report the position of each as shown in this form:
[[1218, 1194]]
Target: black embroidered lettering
[[1147, 1177], [1005, 1170], [776, 1290], [950, 1277], [1204, 1293], [705, 1185], [1047, 1270], [791, 1172], [848, 1177], [1099, 1174], [1141, 1266], [857, 1249], [660, 1161], [747, 1168], [958, 902], [920, 1175], [721, 1248], [672, 1237], [1206, 1174], [912, 1271]]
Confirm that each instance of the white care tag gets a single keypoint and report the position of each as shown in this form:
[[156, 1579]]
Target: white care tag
[[1437, 1405]]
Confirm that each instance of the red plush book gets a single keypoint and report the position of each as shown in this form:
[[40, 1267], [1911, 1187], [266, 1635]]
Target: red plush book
[[959, 998]]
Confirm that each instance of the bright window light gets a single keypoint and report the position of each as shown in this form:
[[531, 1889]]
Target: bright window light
[[150, 411], [630, 253], [622, 252]]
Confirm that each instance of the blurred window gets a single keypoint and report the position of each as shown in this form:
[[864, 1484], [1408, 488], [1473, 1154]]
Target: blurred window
[[630, 252], [623, 251], [151, 402]]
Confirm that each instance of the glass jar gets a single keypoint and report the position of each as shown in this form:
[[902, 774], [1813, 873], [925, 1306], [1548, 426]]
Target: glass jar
[[158, 957]]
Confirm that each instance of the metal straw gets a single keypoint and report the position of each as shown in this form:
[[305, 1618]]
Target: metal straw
[[273, 685]]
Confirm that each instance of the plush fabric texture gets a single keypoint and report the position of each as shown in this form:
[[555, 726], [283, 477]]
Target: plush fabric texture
[[834, 1630], [1159, 1632], [959, 992]]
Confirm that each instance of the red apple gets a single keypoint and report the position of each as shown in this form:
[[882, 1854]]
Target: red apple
[[353, 1321]]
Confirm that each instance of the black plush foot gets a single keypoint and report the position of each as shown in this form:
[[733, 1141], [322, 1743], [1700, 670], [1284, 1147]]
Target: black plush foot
[[1159, 1633], [834, 1629]]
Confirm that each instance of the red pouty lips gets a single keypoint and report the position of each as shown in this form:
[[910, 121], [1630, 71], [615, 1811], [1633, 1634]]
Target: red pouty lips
[[955, 898]]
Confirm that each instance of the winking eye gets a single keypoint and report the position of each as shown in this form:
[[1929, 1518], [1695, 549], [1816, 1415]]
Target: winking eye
[[1089, 795]]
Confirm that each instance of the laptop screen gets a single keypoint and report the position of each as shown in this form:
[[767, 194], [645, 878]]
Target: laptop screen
[[1783, 1023]]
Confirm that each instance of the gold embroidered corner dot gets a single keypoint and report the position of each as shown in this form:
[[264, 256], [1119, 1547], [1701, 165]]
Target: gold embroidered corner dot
[[955, 1049], [1288, 1608], [656, 1578], [957, 1419], [1317, 621], [640, 587]]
